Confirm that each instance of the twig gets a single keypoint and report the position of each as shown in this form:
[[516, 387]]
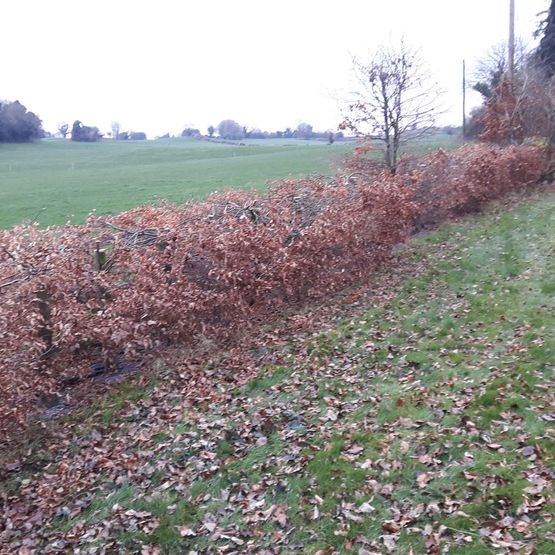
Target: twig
[[24, 278]]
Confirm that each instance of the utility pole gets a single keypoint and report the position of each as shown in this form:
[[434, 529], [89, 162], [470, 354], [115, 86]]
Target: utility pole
[[464, 100], [511, 40]]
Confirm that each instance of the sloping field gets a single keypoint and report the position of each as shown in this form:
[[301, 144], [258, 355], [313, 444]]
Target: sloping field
[[413, 415], [54, 181]]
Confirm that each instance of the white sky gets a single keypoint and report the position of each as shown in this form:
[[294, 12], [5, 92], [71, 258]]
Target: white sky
[[159, 65]]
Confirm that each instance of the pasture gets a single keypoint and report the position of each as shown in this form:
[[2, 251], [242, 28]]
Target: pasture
[[55, 181]]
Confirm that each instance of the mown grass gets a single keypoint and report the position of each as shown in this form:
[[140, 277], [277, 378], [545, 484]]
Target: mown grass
[[53, 181], [456, 366]]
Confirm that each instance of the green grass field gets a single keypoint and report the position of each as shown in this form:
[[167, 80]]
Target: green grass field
[[54, 181]]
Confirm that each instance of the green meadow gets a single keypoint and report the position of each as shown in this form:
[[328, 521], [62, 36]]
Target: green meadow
[[55, 181]]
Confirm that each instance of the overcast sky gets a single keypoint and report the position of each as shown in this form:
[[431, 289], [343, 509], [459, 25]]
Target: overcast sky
[[160, 65]]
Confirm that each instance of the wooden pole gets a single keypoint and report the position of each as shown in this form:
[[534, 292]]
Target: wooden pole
[[511, 39], [464, 99]]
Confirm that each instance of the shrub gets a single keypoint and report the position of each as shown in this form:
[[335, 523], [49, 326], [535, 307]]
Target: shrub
[[452, 183]]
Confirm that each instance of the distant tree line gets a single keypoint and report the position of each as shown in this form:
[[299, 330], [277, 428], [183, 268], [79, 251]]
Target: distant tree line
[[191, 132], [120, 135], [231, 130], [17, 124], [130, 136]]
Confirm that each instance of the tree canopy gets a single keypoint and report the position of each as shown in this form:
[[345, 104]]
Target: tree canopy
[[230, 129], [84, 133], [17, 124], [545, 52]]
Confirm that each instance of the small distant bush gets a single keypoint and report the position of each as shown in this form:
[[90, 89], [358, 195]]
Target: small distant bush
[[137, 136]]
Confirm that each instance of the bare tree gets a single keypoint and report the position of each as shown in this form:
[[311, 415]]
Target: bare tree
[[116, 129], [495, 64], [395, 101], [63, 129]]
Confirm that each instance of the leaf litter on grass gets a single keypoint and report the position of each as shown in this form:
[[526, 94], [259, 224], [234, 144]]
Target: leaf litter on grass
[[415, 416]]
